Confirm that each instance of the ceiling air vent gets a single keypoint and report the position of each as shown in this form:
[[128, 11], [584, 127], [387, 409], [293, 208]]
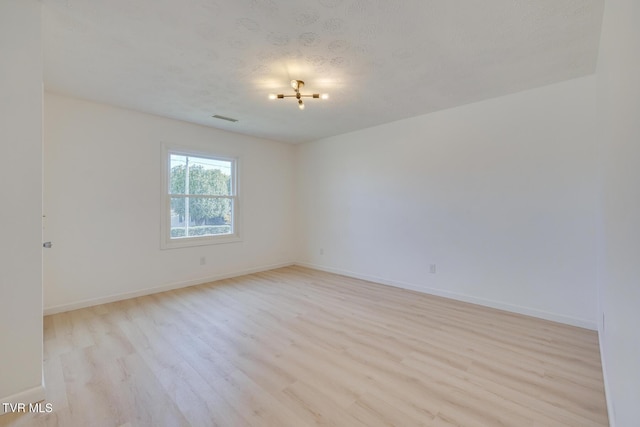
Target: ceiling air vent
[[229, 119]]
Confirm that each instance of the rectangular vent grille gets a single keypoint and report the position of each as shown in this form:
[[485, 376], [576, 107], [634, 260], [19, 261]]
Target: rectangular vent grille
[[229, 119]]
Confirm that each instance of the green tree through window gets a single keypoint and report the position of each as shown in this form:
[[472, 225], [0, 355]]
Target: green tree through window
[[202, 196]]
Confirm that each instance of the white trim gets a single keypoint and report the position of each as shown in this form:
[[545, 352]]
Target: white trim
[[166, 242], [162, 288], [452, 295], [188, 242], [32, 395], [607, 388], [582, 323]]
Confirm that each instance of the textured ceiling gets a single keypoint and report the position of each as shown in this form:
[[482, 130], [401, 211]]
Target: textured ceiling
[[380, 60]]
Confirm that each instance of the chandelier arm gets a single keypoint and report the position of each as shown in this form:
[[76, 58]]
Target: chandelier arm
[[297, 85]]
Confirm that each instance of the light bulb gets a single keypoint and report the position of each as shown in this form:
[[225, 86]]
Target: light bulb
[[294, 84], [324, 96], [272, 96], [300, 104]]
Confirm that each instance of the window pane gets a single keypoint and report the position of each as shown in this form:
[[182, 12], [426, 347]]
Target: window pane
[[206, 176], [209, 176], [207, 216], [177, 167]]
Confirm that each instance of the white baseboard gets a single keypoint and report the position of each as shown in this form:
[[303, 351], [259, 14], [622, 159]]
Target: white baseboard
[[32, 395], [404, 285], [148, 291], [582, 323], [607, 389]]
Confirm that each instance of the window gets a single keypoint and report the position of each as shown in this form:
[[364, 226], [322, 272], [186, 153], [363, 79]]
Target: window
[[200, 205]]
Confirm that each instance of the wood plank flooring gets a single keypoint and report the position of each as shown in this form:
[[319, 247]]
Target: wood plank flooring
[[297, 347]]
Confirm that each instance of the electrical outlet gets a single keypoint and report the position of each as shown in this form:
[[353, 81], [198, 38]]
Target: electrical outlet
[[432, 269], [203, 260]]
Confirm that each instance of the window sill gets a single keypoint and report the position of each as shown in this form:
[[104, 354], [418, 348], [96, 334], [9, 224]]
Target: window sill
[[199, 241]]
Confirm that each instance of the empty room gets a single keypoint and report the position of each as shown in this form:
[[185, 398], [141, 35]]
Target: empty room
[[320, 212]]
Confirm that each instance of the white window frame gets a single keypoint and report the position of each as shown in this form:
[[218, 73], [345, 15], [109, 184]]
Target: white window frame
[[166, 242]]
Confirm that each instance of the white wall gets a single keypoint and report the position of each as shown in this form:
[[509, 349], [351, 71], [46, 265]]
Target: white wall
[[102, 201], [499, 194], [21, 196], [619, 117]]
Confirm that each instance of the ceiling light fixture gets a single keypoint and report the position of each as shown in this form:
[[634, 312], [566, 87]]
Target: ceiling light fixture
[[297, 85]]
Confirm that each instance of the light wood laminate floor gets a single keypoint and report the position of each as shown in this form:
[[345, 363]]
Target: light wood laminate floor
[[297, 347]]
